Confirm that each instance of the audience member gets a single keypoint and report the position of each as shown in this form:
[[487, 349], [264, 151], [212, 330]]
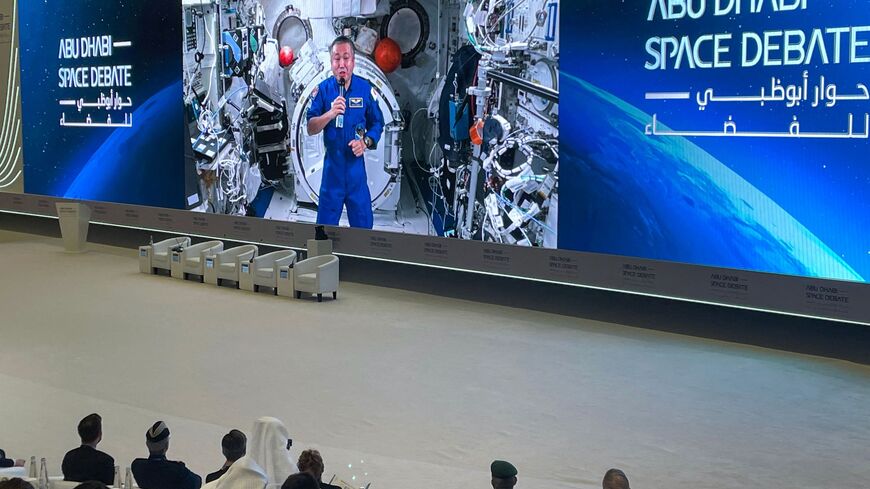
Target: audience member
[[267, 463], [16, 483], [615, 479], [311, 462], [302, 480], [504, 475], [5, 463], [156, 472], [233, 447], [86, 463], [92, 485], [243, 474], [270, 449]]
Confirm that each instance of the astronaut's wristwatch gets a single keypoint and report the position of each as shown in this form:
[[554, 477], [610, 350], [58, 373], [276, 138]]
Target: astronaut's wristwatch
[[370, 143]]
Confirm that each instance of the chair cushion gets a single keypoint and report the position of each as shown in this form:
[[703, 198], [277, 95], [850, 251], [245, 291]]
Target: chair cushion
[[306, 279], [227, 267], [265, 272]]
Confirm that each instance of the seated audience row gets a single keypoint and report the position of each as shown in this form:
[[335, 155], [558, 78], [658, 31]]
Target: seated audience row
[[504, 476], [268, 464]]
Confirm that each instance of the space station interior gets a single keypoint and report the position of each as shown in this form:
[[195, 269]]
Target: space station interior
[[468, 90]]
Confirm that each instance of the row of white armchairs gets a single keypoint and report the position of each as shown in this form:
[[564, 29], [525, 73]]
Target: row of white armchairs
[[208, 260]]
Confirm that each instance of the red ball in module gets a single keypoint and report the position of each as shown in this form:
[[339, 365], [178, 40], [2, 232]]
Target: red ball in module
[[388, 55], [286, 56]]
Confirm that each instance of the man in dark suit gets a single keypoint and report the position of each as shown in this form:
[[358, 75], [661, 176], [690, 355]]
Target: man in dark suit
[[155, 472], [86, 463], [233, 446]]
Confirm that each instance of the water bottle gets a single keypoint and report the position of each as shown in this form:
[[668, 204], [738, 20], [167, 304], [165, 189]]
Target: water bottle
[[117, 478], [43, 474], [32, 474], [128, 479]]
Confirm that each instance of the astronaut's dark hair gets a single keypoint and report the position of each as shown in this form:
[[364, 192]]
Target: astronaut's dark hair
[[342, 40]]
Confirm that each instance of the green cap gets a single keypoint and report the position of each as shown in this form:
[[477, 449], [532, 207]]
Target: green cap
[[502, 469]]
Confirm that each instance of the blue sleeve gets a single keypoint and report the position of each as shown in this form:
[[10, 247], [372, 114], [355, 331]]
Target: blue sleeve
[[374, 119], [318, 106]]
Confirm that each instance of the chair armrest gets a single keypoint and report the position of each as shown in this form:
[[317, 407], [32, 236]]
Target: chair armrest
[[204, 246], [211, 250], [328, 267], [232, 254], [305, 266], [288, 260], [167, 244], [244, 258], [261, 261], [247, 256], [327, 275]]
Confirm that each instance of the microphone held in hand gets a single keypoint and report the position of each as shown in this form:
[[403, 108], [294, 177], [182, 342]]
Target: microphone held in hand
[[339, 121]]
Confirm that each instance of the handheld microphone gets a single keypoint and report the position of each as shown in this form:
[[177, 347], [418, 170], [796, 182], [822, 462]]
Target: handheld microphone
[[339, 121]]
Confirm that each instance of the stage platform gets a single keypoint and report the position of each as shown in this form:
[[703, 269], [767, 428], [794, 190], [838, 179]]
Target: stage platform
[[414, 390]]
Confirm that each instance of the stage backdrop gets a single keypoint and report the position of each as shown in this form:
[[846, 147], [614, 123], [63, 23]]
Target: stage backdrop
[[101, 84], [710, 150], [729, 133], [11, 179]]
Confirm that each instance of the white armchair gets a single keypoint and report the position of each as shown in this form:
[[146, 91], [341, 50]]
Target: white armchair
[[225, 264], [316, 275], [192, 258], [263, 270], [158, 255]]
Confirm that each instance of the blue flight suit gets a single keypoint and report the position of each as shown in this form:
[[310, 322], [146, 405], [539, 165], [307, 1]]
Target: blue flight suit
[[344, 179]]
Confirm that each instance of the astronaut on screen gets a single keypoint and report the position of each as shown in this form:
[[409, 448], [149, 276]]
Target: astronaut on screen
[[345, 108]]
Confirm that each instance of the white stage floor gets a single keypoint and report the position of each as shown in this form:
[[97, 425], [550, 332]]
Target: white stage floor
[[426, 390]]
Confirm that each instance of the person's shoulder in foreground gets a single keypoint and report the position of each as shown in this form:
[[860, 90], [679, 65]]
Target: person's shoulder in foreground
[[15, 483], [302, 480], [92, 485]]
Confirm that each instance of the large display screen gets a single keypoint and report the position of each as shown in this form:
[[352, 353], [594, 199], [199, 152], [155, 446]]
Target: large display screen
[[100, 83], [726, 133], [450, 130]]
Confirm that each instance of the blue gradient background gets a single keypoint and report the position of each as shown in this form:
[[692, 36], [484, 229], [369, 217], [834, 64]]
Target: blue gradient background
[[138, 165], [823, 184]]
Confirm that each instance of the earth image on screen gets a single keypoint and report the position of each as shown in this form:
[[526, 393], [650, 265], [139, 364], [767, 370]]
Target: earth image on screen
[[665, 198]]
